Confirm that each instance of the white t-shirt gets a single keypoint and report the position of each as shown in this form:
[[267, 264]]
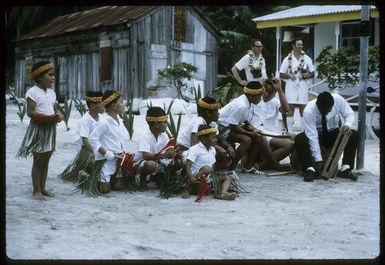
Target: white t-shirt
[[45, 100], [243, 64], [312, 121], [148, 143], [236, 112], [184, 137], [271, 109], [86, 125], [200, 157]]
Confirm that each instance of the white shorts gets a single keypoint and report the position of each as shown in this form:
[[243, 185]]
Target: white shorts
[[108, 169], [297, 92]]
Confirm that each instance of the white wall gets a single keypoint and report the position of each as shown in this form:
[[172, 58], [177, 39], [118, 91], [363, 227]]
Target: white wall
[[324, 35]]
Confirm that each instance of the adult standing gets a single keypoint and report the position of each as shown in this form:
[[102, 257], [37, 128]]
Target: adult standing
[[253, 63], [297, 68]]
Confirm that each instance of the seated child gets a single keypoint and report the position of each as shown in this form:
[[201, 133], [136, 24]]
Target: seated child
[[200, 162], [107, 141], [266, 120], [78, 167], [151, 155], [207, 109]]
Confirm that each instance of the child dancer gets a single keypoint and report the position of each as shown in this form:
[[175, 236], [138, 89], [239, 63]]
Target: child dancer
[[40, 137], [150, 158], [200, 162], [107, 142], [85, 159], [207, 109]]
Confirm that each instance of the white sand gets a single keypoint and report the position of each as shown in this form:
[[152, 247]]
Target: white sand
[[281, 218]]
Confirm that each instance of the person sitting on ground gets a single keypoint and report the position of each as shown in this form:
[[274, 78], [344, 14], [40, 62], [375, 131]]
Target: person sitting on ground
[[107, 142], [207, 109], [153, 152], [266, 120], [81, 165], [234, 126], [200, 162], [321, 117]]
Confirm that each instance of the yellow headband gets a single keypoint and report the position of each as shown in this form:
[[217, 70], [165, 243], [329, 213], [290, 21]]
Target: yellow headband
[[159, 118], [254, 91], [206, 105], [42, 69], [94, 99], [206, 131], [111, 98]]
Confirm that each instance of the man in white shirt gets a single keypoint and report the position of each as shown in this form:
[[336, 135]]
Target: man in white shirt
[[297, 68], [320, 120], [253, 63]]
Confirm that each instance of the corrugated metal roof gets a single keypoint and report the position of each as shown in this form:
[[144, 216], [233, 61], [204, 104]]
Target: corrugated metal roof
[[309, 10], [93, 18]]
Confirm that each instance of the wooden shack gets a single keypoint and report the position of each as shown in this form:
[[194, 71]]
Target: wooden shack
[[120, 48]]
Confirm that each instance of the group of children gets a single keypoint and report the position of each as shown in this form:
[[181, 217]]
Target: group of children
[[217, 139]]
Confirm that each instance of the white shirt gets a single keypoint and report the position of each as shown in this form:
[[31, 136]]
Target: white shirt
[[148, 143], [200, 157], [86, 125], [271, 109], [236, 112], [45, 100], [312, 121], [184, 137], [307, 65], [108, 134], [243, 63]]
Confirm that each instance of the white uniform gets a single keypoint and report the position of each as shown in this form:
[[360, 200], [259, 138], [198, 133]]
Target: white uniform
[[45, 102], [110, 135], [200, 157], [184, 138], [236, 112], [86, 125], [148, 143], [312, 121], [243, 64], [297, 90]]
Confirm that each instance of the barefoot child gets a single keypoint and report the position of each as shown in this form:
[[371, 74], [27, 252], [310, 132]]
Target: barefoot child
[[85, 159], [149, 157], [40, 137], [200, 162], [107, 142]]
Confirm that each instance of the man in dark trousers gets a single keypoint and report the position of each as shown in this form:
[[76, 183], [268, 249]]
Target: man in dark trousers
[[320, 119]]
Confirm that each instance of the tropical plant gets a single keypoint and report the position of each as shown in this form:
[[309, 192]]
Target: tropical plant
[[227, 90], [176, 75], [197, 93], [128, 120], [342, 68], [66, 111], [82, 109], [172, 127], [20, 102]]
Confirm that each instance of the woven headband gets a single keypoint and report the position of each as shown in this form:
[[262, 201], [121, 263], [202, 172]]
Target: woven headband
[[206, 131], [94, 99], [159, 118], [111, 98], [254, 91], [206, 105], [42, 69]]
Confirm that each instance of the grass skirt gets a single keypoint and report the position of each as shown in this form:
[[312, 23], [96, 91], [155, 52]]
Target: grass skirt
[[235, 185], [84, 160], [39, 138], [91, 183]]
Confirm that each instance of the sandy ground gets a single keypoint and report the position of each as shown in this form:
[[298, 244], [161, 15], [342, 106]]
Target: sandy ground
[[281, 217]]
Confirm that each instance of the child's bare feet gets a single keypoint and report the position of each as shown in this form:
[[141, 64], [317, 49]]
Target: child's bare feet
[[185, 194], [82, 176], [37, 195], [227, 196], [47, 193]]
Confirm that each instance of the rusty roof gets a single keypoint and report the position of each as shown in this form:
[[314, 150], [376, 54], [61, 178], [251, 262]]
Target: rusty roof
[[88, 19]]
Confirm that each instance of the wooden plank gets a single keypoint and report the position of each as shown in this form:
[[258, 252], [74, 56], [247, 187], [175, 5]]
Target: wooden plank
[[280, 173], [332, 162]]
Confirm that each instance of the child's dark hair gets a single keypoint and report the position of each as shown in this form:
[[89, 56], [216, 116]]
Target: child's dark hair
[[203, 112], [107, 94], [36, 66], [154, 112], [254, 85], [201, 128], [92, 94], [268, 85]]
